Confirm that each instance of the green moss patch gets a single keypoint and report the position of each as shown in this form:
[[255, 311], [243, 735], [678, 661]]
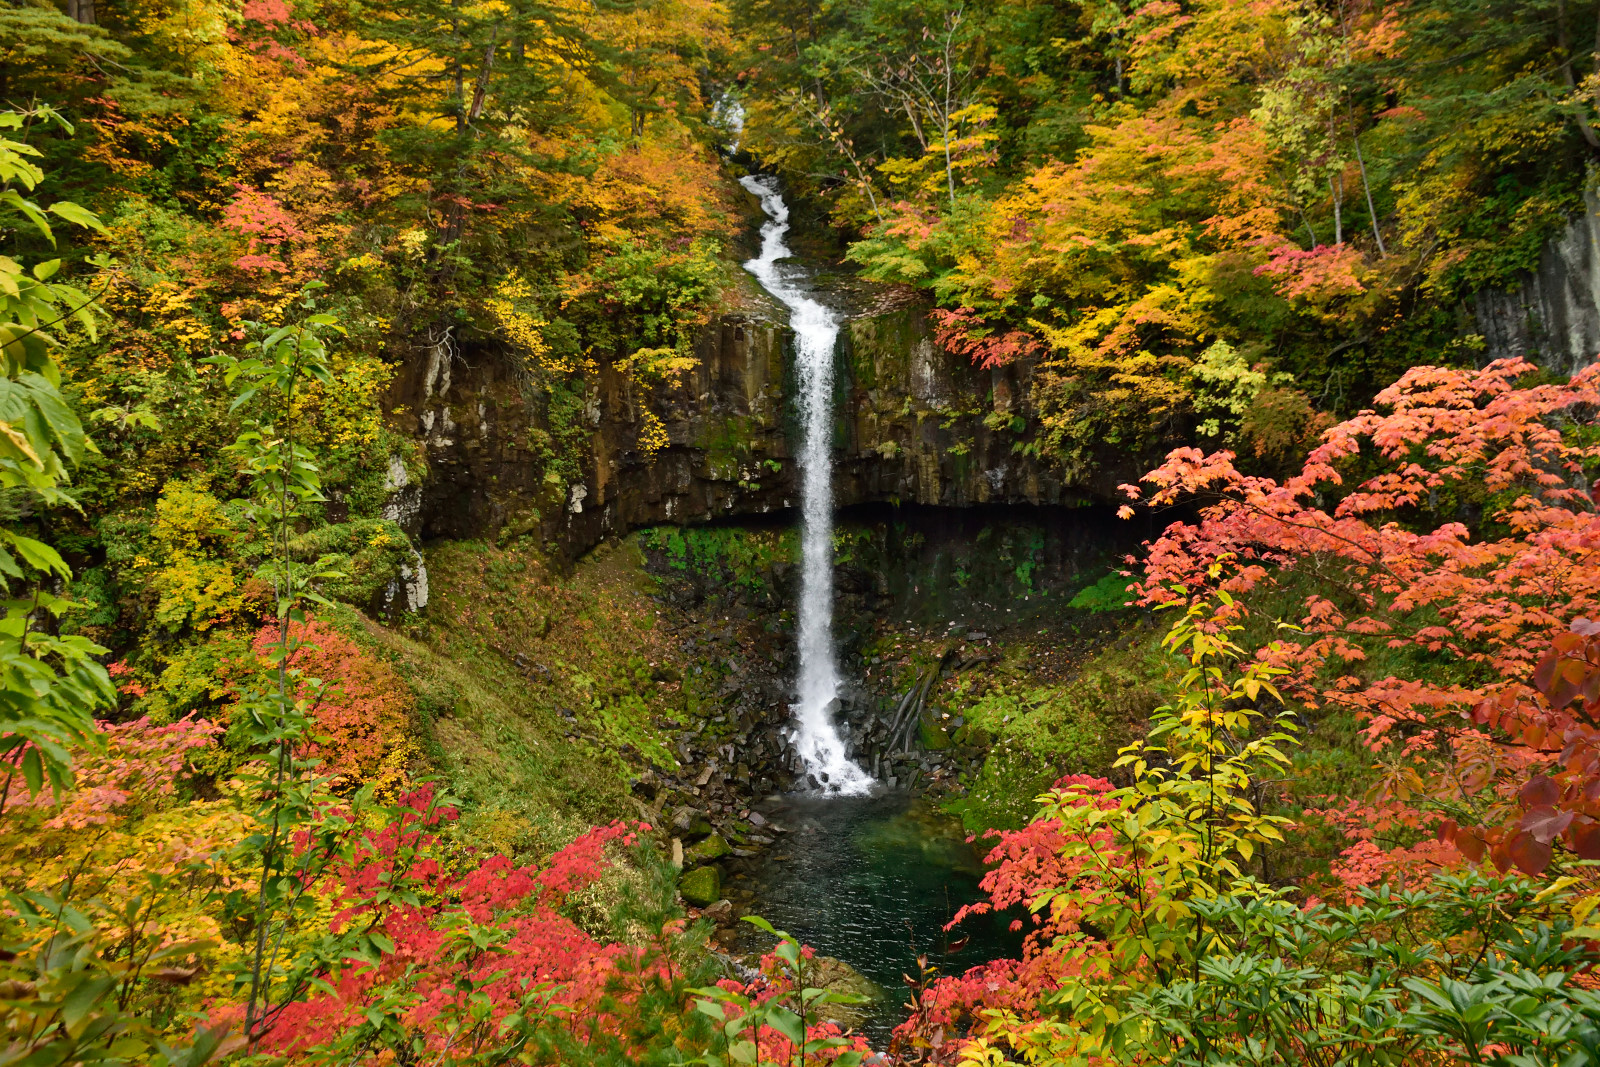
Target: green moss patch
[[702, 886]]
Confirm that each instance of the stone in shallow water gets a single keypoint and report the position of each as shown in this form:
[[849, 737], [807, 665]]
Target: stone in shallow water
[[837, 976], [702, 886]]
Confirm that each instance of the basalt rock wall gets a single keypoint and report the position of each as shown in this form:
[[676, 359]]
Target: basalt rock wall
[[507, 457], [1552, 316], [919, 426]]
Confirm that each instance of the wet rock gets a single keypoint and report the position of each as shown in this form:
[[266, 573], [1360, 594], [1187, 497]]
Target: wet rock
[[690, 823], [837, 976], [720, 913], [702, 886]]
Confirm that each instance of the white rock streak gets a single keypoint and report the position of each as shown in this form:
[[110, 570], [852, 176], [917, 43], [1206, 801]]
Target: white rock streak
[[816, 329]]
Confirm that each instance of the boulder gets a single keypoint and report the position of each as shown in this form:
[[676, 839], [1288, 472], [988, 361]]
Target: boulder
[[702, 886], [711, 848], [837, 976]]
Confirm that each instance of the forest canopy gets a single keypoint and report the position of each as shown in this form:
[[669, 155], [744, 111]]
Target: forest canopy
[[1208, 218]]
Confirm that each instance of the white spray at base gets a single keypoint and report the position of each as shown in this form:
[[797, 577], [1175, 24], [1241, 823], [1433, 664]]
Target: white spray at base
[[815, 329]]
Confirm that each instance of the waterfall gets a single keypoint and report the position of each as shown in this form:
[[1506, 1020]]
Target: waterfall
[[815, 329], [729, 112]]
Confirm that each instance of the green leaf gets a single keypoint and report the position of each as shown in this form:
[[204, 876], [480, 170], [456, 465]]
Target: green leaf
[[77, 215], [761, 924], [276, 336], [76, 1005], [33, 770], [31, 210], [37, 554], [787, 1023]]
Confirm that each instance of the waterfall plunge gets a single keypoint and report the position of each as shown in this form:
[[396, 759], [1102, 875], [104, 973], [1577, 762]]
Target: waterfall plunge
[[815, 329]]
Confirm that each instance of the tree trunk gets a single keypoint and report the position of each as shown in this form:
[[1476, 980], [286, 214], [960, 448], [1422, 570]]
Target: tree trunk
[[1336, 189], [1314, 242], [1366, 187], [951, 25], [1564, 47], [458, 76], [480, 91], [916, 125], [949, 168]]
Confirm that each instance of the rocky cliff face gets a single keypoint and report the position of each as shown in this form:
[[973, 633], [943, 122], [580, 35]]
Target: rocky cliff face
[[914, 425], [1553, 316], [920, 426]]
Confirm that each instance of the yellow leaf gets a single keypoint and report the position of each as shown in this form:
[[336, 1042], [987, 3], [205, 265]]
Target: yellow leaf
[[1558, 886], [20, 439]]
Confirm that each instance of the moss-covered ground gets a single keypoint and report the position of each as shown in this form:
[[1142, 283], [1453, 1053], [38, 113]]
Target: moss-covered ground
[[540, 693]]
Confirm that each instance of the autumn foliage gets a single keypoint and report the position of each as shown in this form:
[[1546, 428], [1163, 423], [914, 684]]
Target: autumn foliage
[[465, 942], [1235, 226], [1456, 523], [359, 706]]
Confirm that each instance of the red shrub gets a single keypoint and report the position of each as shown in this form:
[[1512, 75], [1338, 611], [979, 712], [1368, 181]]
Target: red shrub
[[361, 712], [458, 941]]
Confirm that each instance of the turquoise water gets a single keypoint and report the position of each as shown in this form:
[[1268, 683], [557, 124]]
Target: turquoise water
[[872, 881]]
